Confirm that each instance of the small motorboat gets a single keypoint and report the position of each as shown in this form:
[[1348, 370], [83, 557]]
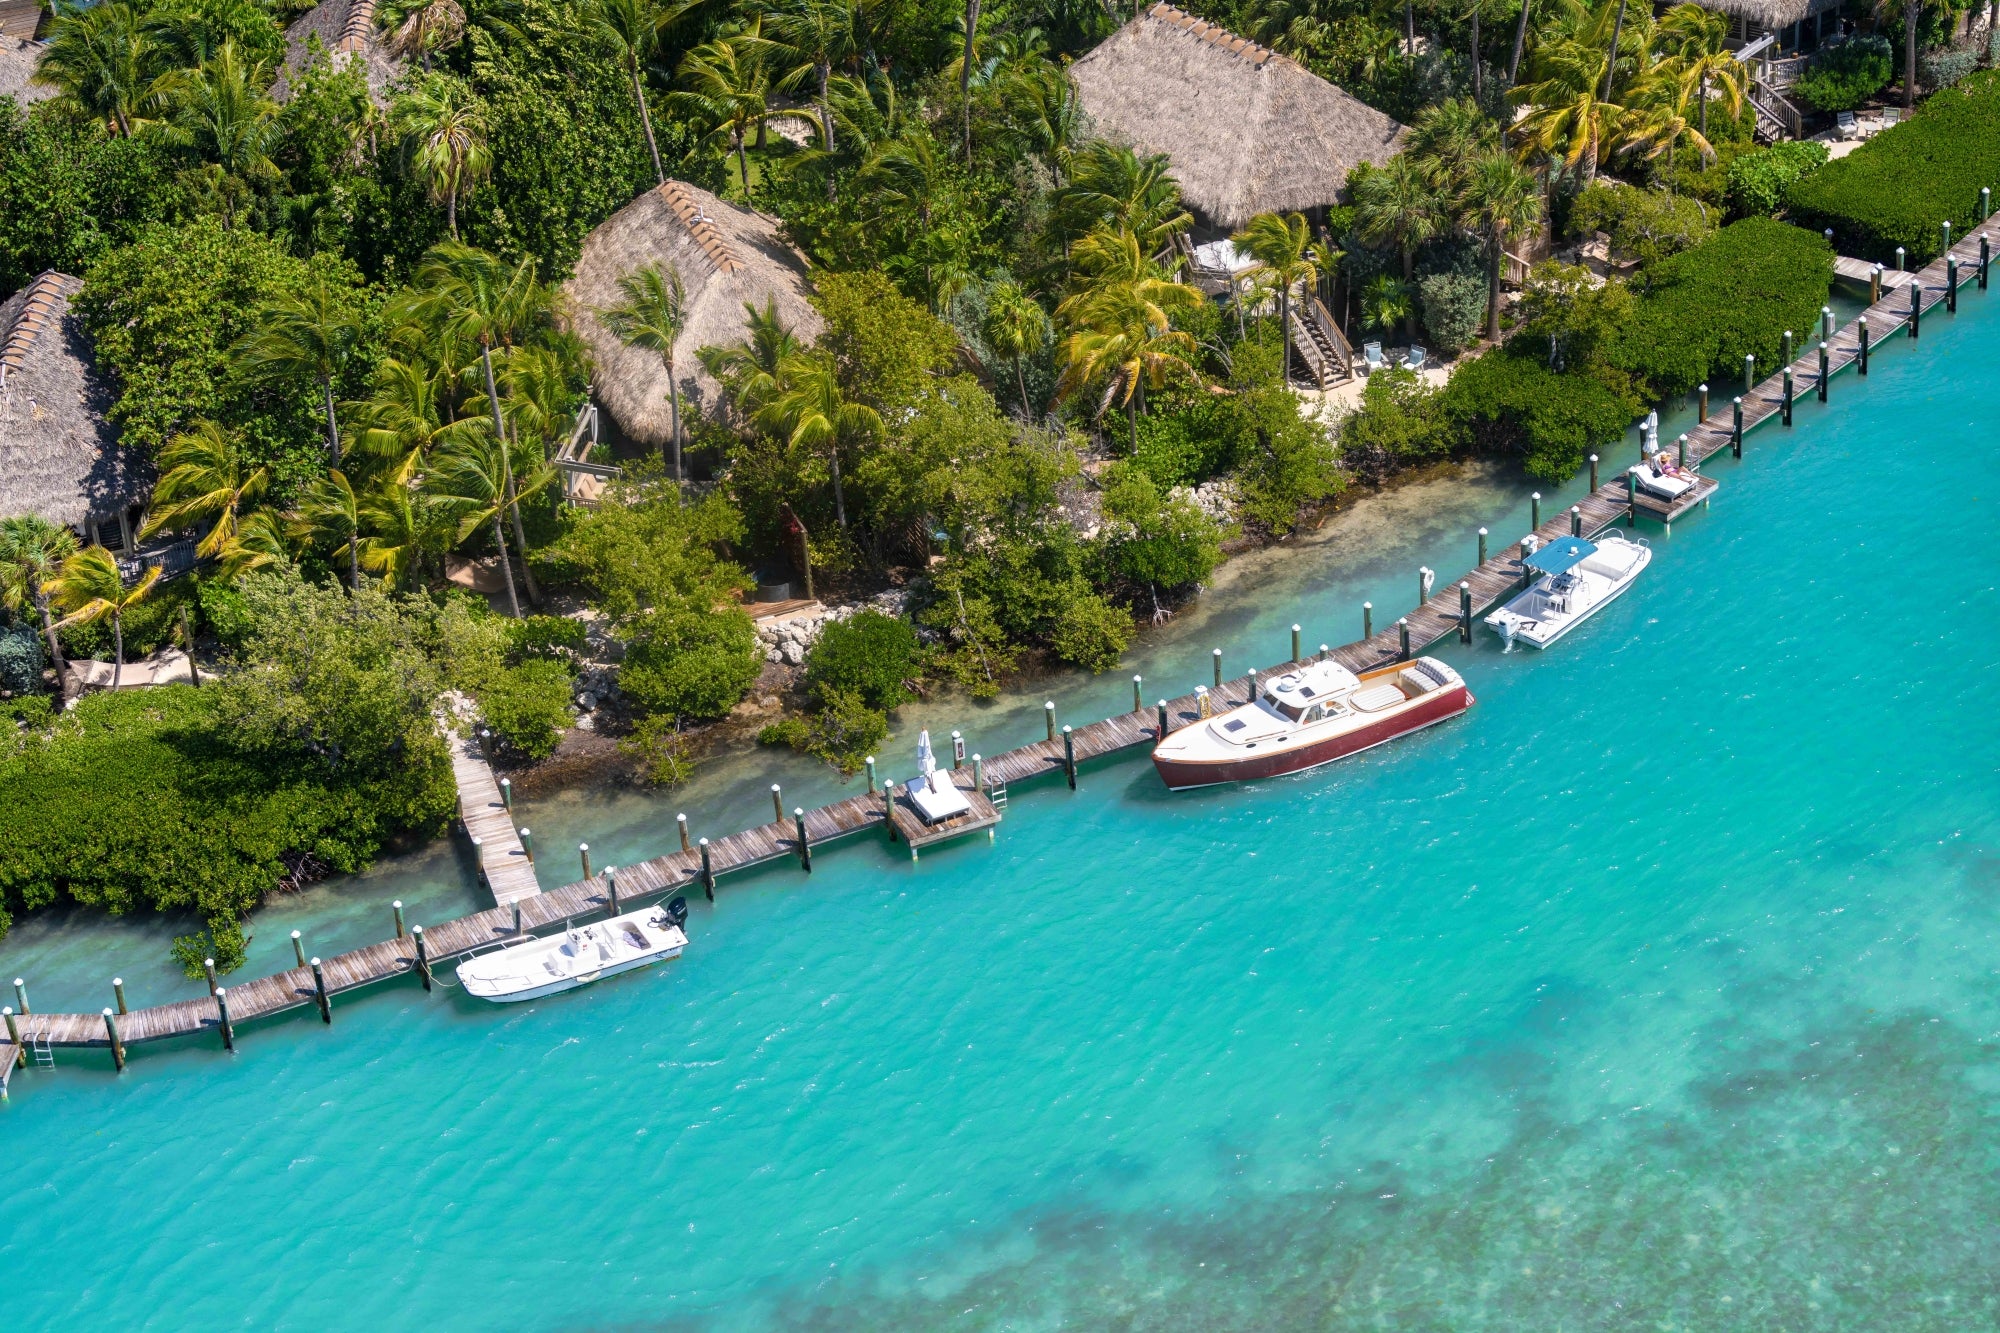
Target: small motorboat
[[580, 955], [1662, 480], [1578, 579], [1312, 715]]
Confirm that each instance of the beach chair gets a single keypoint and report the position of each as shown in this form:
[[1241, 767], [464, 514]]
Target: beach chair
[[1415, 360], [1891, 115], [1372, 354], [1844, 126]]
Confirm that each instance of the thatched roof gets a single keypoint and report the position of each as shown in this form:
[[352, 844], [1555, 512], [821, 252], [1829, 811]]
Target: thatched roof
[[346, 31], [726, 256], [1772, 14], [59, 458], [1248, 131], [18, 58]]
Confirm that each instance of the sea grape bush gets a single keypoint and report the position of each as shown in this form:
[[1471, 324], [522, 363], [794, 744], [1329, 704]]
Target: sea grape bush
[[1758, 180], [1845, 75]]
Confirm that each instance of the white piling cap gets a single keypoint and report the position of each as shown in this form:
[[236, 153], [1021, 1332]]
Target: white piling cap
[[107, 1011]]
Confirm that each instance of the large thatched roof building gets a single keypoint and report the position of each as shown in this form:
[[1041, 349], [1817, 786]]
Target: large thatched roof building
[[727, 258], [1248, 131], [346, 32], [18, 57], [59, 458], [1749, 18]]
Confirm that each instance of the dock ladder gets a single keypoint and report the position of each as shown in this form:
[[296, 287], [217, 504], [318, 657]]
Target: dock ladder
[[38, 1044], [996, 792]]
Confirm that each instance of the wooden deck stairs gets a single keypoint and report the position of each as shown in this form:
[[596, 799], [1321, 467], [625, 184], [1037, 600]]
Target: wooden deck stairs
[[1327, 355]]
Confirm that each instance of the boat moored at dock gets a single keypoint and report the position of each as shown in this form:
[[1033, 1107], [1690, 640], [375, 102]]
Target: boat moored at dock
[[1312, 715], [580, 955], [1579, 578]]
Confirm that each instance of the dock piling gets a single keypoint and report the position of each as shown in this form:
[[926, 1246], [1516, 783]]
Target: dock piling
[[1985, 257], [1535, 511], [118, 992], [1631, 501], [979, 771], [1049, 716], [1138, 699], [1861, 356], [117, 1046], [1482, 532], [583, 854], [423, 956], [805, 848], [528, 845], [207, 965], [1875, 285], [517, 916], [1701, 403], [1160, 732], [1576, 520], [869, 762], [507, 794], [1825, 322], [1465, 613], [299, 948], [1947, 236], [1403, 639], [1069, 757], [957, 751], [1823, 372], [1367, 620], [1736, 428], [1682, 457], [1788, 347], [611, 887], [1218, 668], [14, 1036], [21, 994], [1916, 308], [1985, 202], [398, 905], [1295, 650], [777, 804], [222, 1018], [319, 982], [1749, 373], [1951, 284], [708, 870], [1899, 259], [1787, 406], [681, 821], [1593, 474]]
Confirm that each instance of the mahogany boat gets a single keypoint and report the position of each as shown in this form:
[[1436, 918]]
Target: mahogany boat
[[1312, 715]]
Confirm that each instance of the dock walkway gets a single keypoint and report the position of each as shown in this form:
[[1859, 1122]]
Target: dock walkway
[[502, 858], [1440, 616]]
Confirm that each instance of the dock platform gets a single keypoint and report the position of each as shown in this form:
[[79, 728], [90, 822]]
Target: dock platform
[[502, 859], [916, 834], [1666, 511]]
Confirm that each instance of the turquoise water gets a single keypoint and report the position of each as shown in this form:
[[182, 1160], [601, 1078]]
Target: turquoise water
[[1657, 992]]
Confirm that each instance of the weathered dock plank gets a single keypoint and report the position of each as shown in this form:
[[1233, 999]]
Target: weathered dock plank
[[502, 859]]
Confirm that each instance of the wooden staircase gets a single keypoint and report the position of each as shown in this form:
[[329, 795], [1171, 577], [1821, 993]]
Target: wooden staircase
[[1777, 117], [1327, 355]]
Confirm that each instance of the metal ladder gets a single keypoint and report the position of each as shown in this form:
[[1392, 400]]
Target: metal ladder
[[996, 792], [45, 1056]]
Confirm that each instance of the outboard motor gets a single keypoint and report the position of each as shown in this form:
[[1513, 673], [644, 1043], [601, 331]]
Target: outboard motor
[[677, 913]]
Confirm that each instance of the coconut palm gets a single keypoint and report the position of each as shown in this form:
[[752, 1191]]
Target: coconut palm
[[204, 479], [1400, 204], [653, 316], [403, 421], [221, 112], [309, 334], [421, 27], [1047, 117], [400, 526], [1282, 247], [1122, 337], [102, 60], [810, 411], [1113, 186], [472, 478], [1693, 43], [1447, 137], [633, 29], [1501, 198], [445, 128], [1016, 326], [812, 37], [748, 370], [32, 550], [1568, 119], [259, 543], [328, 513], [725, 87], [89, 587]]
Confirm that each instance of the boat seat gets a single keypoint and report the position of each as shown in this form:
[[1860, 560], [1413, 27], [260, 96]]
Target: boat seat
[[1375, 698], [1419, 681]]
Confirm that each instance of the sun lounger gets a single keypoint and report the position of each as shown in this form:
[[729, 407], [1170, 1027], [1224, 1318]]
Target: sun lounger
[[1657, 483], [937, 799], [1372, 354], [1415, 360]]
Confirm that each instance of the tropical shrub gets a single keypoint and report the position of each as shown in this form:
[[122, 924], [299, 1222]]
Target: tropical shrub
[[1090, 632], [686, 662], [1703, 310], [1454, 309], [1507, 404], [843, 732], [556, 638], [1184, 444], [1938, 70], [1396, 426], [661, 751], [528, 706], [22, 659], [1846, 74], [1758, 179], [1896, 188], [868, 655], [1648, 225], [1156, 540]]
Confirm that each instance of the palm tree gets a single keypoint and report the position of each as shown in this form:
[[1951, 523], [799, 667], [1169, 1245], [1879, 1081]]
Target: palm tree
[[402, 524], [307, 334], [810, 411], [474, 477], [88, 587], [1113, 186], [725, 88], [329, 513], [259, 543], [445, 127], [1567, 118], [403, 421], [748, 370], [205, 478], [473, 297], [1016, 326], [633, 29], [1500, 198], [1048, 116], [1121, 324], [221, 112], [965, 77], [1696, 57], [1282, 247], [32, 550], [1399, 203], [653, 316], [419, 27], [1385, 302], [1447, 137], [813, 36], [101, 59]]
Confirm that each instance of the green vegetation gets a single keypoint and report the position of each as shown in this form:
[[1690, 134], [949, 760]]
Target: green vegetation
[[1845, 75], [1895, 189], [1759, 180], [1700, 312], [1647, 225]]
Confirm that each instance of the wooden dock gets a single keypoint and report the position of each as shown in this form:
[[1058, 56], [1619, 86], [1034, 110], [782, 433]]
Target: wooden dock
[[1440, 616], [502, 859], [917, 834], [1861, 271]]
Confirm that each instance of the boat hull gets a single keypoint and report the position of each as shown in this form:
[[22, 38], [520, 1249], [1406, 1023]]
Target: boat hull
[[572, 983], [1438, 706]]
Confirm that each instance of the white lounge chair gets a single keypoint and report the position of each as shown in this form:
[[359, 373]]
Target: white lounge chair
[[1891, 115], [1844, 125], [1415, 360], [1372, 354], [1659, 484], [937, 798]]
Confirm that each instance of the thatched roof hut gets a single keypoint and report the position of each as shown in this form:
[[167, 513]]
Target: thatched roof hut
[[59, 458], [1248, 131], [346, 31], [18, 57], [1769, 15], [727, 258]]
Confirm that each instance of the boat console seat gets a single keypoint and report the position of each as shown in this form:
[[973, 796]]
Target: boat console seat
[[1375, 698]]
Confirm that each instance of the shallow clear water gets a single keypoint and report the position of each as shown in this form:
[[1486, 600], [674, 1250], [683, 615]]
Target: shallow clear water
[[1657, 992]]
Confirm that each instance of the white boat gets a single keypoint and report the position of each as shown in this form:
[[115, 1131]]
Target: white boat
[[580, 955], [1578, 579]]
